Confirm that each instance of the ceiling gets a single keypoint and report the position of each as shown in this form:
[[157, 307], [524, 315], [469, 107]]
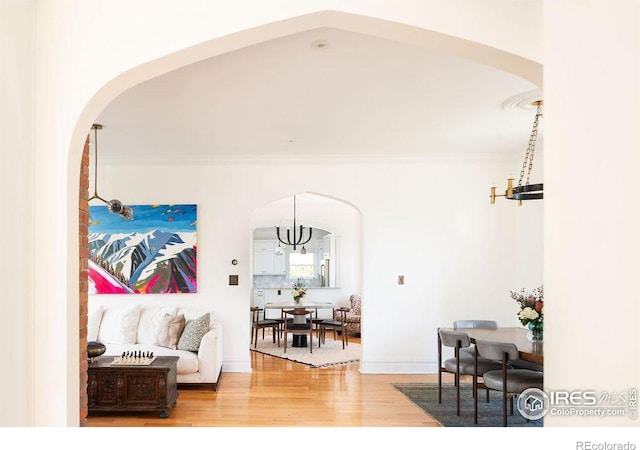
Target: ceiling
[[323, 93]]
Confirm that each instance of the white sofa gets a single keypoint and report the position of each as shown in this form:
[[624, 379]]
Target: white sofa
[[135, 328]]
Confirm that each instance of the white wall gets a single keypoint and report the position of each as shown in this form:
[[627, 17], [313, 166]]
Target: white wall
[[17, 41], [456, 251], [592, 212]]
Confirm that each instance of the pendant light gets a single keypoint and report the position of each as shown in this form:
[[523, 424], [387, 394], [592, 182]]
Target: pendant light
[[296, 239], [114, 206], [524, 191]]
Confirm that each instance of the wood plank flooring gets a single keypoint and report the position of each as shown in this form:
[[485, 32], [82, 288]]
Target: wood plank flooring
[[281, 393]]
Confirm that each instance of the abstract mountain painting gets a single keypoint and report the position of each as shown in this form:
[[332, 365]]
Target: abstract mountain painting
[[155, 253]]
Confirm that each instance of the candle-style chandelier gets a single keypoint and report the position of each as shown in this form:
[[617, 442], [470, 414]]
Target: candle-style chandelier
[[114, 206], [296, 239], [524, 191]]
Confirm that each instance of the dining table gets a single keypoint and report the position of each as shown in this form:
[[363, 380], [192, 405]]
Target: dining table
[[299, 340], [528, 350]]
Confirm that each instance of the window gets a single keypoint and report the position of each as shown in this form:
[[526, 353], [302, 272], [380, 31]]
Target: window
[[301, 266]]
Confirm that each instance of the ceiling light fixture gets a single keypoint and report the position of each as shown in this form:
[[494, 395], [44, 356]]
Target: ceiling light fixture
[[524, 191], [320, 44], [297, 240], [114, 206]]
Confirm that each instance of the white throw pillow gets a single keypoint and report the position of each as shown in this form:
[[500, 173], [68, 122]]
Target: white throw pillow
[[170, 330], [150, 320], [192, 313], [93, 323], [119, 325]]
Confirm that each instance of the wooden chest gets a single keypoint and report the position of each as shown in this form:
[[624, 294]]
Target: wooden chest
[[131, 387]]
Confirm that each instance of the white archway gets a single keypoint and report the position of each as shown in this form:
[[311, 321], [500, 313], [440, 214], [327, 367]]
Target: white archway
[[135, 75], [340, 218]]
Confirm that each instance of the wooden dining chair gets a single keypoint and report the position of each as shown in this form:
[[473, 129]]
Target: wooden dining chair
[[258, 324], [511, 382], [336, 326], [298, 322]]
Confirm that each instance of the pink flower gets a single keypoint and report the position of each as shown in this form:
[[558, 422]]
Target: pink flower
[[539, 305]]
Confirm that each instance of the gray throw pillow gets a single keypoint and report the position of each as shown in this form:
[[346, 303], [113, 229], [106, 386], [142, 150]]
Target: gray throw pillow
[[193, 332]]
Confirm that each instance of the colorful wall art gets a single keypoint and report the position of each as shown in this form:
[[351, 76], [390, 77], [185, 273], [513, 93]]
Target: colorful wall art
[[156, 253]]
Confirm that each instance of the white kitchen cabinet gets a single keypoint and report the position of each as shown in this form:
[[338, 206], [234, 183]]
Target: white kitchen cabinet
[[265, 260], [280, 264]]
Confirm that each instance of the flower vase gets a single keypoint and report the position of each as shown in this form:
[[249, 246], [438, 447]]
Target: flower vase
[[536, 329], [297, 300]]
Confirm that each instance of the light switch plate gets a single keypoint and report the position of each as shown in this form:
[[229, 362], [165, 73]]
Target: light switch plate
[[400, 279]]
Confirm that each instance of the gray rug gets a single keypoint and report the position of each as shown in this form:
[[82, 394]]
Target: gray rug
[[330, 354], [425, 396]]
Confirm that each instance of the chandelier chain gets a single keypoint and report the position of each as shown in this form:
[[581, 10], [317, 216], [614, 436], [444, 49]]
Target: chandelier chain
[[528, 157]]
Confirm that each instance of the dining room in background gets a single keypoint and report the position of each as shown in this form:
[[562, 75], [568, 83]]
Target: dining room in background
[[154, 254]]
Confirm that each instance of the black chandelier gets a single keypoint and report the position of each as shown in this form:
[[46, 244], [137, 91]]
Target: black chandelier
[[297, 238], [114, 206], [524, 191]]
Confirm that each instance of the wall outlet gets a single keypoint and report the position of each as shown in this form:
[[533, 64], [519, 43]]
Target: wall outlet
[[279, 292], [400, 279]]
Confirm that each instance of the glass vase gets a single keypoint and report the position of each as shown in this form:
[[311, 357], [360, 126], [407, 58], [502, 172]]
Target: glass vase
[[537, 331]]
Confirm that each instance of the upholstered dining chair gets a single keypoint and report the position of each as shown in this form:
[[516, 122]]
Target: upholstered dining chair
[[260, 324], [474, 323], [492, 324], [335, 326], [458, 324], [461, 363], [298, 322], [511, 382]]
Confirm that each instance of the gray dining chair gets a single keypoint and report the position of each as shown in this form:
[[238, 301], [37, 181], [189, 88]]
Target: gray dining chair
[[458, 324], [461, 363], [474, 323], [510, 381]]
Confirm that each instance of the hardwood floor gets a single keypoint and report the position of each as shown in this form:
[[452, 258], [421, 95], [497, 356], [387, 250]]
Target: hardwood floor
[[281, 393]]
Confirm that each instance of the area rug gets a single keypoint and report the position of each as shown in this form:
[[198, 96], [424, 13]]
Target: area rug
[[330, 354], [425, 396]]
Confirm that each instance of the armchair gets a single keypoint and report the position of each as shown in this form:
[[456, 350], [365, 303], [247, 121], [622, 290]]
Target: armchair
[[353, 316]]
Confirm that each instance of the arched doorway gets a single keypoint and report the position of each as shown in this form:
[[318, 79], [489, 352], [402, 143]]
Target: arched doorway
[[209, 49], [335, 243]]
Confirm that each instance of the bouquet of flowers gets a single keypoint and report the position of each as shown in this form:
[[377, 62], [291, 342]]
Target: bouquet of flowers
[[299, 291], [531, 305]]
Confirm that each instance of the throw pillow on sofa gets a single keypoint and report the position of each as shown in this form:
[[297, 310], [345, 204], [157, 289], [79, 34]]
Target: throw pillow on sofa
[[150, 318], [93, 323], [170, 330], [193, 332], [119, 325]]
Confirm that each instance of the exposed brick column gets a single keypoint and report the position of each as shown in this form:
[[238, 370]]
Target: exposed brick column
[[84, 285]]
